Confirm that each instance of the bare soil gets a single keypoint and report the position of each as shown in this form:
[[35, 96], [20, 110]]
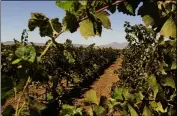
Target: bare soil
[[103, 85]]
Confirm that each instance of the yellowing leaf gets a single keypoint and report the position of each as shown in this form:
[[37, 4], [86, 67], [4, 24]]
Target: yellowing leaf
[[157, 106], [91, 97], [173, 66], [148, 20], [66, 5], [153, 85], [132, 110], [86, 28], [146, 111], [83, 2], [169, 28], [103, 16], [169, 81], [16, 61]]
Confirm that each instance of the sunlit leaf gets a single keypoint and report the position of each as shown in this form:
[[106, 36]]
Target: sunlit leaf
[[68, 110], [132, 110], [153, 85], [157, 106], [99, 110], [127, 95], [27, 53], [70, 6], [173, 66], [169, 81], [91, 97], [104, 19], [86, 29], [169, 28], [146, 111], [117, 94], [148, 20], [16, 61]]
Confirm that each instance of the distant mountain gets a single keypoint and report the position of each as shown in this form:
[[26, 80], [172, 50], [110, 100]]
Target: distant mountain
[[8, 42], [113, 45], [12, 42]]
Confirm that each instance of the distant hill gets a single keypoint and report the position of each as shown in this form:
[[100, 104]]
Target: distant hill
[[12, 42], [8, 42], [113, 45]]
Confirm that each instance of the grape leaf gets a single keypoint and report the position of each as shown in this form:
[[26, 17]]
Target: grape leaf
[[56, 24], [148, 20], [112, 9], [169, 81], [45, 28], [173, 66], [16, 61], [70, 6], [132, 110], [99, 110], [127, 95], [91, 97], [153, 85], [68, 110], [117, 94], [169, 28], [103, 16], [27, 53], [36, 20], [157, 106], [71, 22], [146, 111], [83, 2], [149, 13], [86, 28], [128, 7]]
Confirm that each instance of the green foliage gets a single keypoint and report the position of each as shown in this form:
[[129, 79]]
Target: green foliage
[[86, 28], [46, 26], [161, 16], [128, 7], [132, 111], [26, 53], [91, 97], [70, 22], [169, 28], [69, 6], [146, 111], [68, 110], [147, 86], [103, 16], [8, 111], [99, 110], [149, 78], [60, 62], [118, 94]]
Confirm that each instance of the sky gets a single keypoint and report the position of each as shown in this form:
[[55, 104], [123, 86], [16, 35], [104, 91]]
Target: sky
[[15, 16]]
